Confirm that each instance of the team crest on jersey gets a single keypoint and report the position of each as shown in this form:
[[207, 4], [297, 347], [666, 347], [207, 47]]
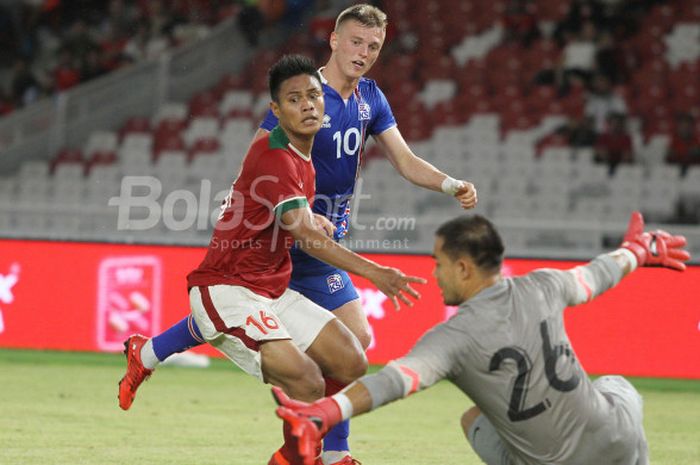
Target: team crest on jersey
[[326, 123], [365, 112], [335, 283]]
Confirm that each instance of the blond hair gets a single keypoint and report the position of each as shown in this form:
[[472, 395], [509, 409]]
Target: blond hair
[[367, 15]]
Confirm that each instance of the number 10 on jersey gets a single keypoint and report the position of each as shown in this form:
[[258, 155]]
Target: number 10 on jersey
[[347, 143]]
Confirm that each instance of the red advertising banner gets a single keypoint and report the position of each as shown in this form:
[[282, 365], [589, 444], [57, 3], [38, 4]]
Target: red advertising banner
[[89, 297]]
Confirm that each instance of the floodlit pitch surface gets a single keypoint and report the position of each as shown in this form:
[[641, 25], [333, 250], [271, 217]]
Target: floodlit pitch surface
[[61, 409]]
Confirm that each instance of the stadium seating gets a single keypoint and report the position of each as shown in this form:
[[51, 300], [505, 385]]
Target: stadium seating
[[472, 111]]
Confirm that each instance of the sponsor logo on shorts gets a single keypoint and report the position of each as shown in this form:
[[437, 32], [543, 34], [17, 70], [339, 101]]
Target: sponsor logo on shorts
[[335, 283]]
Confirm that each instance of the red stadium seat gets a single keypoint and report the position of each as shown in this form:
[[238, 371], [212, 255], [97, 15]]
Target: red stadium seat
[[231, 82], [204, 146], [135, 124], [684, 76], [67, 156], [168, 141], [204, 110], [170, 125], [654, 126], [100, 158], [552, 10], [689, 11], [205, 104], [686, 98]]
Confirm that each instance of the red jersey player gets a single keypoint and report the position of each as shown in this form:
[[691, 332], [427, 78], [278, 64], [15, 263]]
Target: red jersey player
[[239, 296]]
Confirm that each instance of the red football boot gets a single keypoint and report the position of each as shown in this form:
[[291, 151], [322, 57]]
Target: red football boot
[[136, 373]]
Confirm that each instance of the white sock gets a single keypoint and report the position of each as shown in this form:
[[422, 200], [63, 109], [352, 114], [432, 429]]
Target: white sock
[[148, 355], [330, 457]]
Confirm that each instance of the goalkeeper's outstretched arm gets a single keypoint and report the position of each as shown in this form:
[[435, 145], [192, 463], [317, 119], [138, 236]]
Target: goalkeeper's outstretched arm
[[638, 248]]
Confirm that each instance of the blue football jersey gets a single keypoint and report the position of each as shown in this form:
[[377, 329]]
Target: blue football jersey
[[338, 147]]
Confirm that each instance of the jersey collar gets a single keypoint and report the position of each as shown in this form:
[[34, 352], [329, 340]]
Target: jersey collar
[[299, 152], [279, 139], [323, 78], [324, 81]]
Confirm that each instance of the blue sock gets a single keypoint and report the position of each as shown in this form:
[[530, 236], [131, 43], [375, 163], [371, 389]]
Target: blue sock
[[337, 437], [178, 338]]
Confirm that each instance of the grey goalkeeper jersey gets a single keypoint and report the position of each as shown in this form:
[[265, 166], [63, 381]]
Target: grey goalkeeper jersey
[[507, 349]]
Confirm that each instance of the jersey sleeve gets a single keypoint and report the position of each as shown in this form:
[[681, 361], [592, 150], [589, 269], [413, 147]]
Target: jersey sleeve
[[558, 286], [435, 355], [384, 118], [278, 183], [269, 122]]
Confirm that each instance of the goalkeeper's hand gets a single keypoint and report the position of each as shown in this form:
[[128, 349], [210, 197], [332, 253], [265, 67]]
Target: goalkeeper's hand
[[654, 248]]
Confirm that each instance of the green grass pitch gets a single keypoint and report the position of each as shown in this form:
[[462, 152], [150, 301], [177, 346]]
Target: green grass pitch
[[61, 409]]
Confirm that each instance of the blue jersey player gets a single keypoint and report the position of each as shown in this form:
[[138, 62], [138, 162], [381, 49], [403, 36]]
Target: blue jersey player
[[355, 109]]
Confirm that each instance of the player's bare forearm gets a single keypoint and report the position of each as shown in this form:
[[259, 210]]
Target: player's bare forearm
[[322, 247], [422, 173], [318, 244], [410, 166]]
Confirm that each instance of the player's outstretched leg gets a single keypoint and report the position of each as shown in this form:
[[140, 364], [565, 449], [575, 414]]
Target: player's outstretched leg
[[180, 337], [143, 355]]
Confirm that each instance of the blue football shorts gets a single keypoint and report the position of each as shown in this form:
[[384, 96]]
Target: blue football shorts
[[330, 288]]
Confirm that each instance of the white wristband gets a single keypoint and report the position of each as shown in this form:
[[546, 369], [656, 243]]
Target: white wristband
[[450, 185]]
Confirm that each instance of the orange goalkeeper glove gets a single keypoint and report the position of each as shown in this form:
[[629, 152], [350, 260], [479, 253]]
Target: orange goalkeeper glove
[[655, 248]]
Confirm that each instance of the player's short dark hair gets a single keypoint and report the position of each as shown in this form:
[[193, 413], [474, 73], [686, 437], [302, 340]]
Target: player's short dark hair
[[287, 67], [367, 15], [474, 236]]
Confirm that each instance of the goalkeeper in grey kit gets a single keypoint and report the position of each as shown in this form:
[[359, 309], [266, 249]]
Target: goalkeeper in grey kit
[[507, 349]]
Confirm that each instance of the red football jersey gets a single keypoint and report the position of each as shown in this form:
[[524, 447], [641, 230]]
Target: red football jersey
[[249, 248]]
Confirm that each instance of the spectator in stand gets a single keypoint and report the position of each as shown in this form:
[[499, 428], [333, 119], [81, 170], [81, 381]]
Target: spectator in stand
[[66, 74], [79, 40], [602, 101], [251, 21], [111, 53], [155, 12], [519, 24], [581, 132], [685, 144], [144, 44], [92, 66], [609, 59], [581, 11], [614, 146], [578, 57], [25, 86], [93, 33], [120, 18], [8, 36]]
